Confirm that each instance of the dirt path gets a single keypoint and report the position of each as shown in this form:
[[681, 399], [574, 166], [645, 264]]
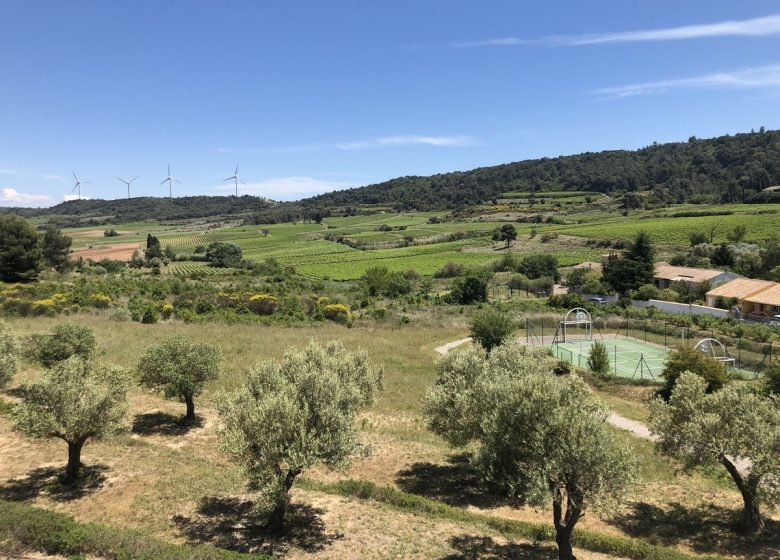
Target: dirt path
[[444, 348]]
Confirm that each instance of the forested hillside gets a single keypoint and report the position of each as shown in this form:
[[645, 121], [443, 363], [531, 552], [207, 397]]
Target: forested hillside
[[146, 208], [727, 168], [724, 169]]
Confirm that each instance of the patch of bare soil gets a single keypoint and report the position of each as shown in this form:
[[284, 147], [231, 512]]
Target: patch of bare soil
[[113, 251]]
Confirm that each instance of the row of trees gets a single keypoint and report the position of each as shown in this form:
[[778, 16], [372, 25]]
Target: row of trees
[[288, 415], [24, 251]]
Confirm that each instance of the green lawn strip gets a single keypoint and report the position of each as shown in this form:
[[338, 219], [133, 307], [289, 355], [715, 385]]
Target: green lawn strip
[[30, 528], [634, 549]]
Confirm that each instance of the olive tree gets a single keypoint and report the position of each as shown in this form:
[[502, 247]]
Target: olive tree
[[294, 414], [565, 456], [74, 402], [178, 367], [64, 340], [734, 427], [9, 353]]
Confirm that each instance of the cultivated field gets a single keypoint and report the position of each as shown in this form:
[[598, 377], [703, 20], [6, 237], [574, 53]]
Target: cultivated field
[[343, 248]]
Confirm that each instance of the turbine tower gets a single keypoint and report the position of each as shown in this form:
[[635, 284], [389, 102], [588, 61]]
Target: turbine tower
[[77, 186], [235, 178], [128, 184], [170, 179]]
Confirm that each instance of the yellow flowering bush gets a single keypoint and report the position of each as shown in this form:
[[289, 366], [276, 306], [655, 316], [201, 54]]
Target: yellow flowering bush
[[100, 301], [167, 310], [263, 304], [337, 312]]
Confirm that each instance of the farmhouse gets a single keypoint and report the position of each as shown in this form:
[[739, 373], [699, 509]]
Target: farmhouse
[[666, 274], [741, 292], [765, 303]]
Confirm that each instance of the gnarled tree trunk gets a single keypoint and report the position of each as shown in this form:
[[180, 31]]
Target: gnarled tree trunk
[[564, 522], [752, 521], [276, 519]]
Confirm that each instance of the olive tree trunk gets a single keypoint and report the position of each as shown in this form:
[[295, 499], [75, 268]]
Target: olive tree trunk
[[276, 519], [74, 461], [752, 521], [564, 522], [190, 402]]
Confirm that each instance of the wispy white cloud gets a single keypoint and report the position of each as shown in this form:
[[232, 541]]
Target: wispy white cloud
[[12, 197], [23, 173], [379, 142], [393, 141], [761, 77], [769, 25], [757, 27], [286, 188]]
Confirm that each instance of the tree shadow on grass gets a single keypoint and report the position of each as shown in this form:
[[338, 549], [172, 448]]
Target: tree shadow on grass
[[455, 483], [15, 392], [163, 424], [471, 547], [233, 524], [47, 481], [707, 528]]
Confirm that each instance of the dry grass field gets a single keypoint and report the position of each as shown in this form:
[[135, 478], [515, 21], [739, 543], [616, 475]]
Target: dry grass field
[[174, 483]]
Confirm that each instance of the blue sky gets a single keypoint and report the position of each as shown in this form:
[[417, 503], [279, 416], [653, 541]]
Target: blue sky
[[314, 96]]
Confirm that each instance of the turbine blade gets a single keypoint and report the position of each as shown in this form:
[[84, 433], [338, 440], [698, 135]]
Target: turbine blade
[[236, 172], [120, 179], [74, 176], [228, 179], [133, 179], [164, 181], [177, 181], [240, 179]]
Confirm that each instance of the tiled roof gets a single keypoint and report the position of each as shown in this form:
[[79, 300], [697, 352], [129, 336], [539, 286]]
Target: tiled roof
[[741, 288]]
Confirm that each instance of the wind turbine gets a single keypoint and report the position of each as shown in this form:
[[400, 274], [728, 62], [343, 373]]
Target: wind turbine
[[170, 179], [235, 178], [77, 186], [128, 184]]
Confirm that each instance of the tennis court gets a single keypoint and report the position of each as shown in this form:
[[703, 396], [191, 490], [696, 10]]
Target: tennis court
[[628, 358]]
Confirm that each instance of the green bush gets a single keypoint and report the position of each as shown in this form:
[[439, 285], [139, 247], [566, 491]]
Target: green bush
[[598, 359], [688, 359], [64, 341], [491, 328]]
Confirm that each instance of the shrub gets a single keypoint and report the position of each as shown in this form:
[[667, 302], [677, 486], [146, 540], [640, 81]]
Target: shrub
[[449, 270], [337, 312], [100, 301], [646, 292], [469, 289], [263, 304], [120, 314], [681, 360], [64, 341], [598, 359], [563, 368], [150, 315], [167, 310], [491, 328], [9, 353]]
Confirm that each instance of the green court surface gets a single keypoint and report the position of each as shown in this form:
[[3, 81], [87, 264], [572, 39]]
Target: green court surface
[[628, 358]]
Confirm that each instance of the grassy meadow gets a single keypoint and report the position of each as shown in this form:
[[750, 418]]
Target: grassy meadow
[[424, 501]]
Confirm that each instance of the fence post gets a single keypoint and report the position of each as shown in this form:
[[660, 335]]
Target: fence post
[[664, 334], [645, 331]]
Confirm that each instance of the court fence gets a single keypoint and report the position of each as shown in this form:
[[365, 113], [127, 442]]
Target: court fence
[[750, 356]]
